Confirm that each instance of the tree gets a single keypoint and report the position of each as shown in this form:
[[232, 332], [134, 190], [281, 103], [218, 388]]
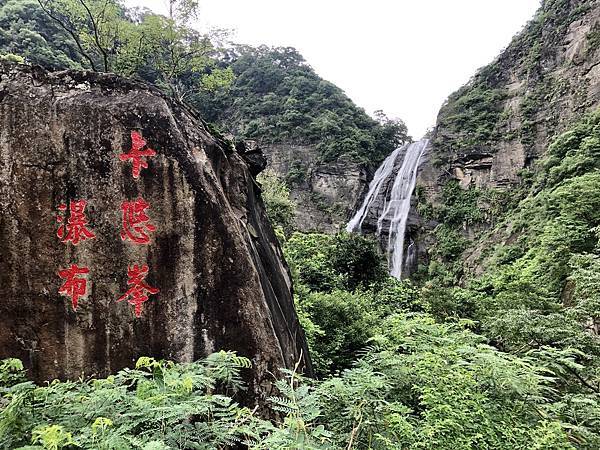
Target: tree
[[163, 50], [25, 31]]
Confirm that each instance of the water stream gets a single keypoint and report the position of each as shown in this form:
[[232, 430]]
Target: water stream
[[394, 215], [382, 173]]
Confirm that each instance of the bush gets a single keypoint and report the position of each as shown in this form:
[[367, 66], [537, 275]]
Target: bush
[[345, 261], [280, 207]]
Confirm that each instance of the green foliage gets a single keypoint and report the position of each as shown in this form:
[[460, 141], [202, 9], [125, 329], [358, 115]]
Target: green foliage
[[459, 206], [340, 324], [357, 259], [344, 261], [12, 58], [297, 173], [146, 407], [278, 97], [456, 209], [347, 321], [103, 35], [279, 205], [421, 385], [575, 152], [308, 256], [432, 386], [52, 437], [342, 293], [471, 116], [11, 372], [450, 243], [539, 293], [25, 31]]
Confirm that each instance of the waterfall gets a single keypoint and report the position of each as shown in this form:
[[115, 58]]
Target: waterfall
[[396, 204], [411, 255], [382, 173]]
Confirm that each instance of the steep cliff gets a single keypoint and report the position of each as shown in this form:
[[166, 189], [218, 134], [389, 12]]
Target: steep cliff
[[128, 229], [492, 133]]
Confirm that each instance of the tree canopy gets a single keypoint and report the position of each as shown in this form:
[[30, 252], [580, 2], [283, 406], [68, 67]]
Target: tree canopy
[[277, 97]]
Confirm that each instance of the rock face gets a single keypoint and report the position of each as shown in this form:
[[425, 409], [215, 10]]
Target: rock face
[[211, 275], [497, 127], [326, 194], [503, 120]]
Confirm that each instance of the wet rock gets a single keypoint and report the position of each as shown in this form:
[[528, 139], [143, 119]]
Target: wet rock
[[219, 278]]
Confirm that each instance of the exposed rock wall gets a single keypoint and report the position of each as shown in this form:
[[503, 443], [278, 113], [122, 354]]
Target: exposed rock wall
[[548, 76], [325, 194], [496, 128], [215, 278]]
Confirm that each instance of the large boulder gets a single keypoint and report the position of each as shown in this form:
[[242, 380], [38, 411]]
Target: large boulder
[[104, 260]]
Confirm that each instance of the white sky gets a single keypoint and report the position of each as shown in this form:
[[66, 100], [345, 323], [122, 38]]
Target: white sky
[[402, 56]]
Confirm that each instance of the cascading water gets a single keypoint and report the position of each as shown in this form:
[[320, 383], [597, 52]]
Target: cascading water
[[382, 173], [396, 205]]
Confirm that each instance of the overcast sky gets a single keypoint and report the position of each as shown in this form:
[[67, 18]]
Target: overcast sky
[[402, 56]]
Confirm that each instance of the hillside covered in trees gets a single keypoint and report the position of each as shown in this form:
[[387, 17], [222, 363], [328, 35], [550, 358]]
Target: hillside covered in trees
[[277, 97]]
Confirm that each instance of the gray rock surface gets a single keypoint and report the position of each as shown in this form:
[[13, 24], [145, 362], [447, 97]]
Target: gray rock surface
[[213, 256], [326, 194]]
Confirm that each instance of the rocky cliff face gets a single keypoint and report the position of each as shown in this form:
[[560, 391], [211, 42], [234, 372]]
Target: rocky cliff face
[[503, 120], [492, 132], [325, 194], [128, 229]]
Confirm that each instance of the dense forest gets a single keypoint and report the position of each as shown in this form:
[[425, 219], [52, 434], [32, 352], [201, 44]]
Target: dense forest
[[501, 358], [277, 97]]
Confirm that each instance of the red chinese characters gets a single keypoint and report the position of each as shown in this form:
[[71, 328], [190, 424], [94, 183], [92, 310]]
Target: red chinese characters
[[75, 229], [74, 285], [139, 291], [138, 152], [136, 223], [135, 228]]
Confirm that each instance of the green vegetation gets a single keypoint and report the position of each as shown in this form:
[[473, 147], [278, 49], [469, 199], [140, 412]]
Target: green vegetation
[[277, 97], [344, 261], [472, 115], [26, 31], [538, 294], [103, 35], [280, 208], [419, 385]]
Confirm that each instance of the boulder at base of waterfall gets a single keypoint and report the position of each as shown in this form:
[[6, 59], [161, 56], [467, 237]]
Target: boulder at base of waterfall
[[128, 229]]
